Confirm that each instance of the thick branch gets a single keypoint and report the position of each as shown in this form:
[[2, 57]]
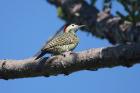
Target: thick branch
[[92, 59], [101, 24]]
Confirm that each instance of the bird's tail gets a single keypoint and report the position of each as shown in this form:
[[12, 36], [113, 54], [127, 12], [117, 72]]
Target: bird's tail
[[39, 54]]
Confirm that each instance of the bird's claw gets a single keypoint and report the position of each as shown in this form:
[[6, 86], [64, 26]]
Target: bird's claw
[[67, 53]]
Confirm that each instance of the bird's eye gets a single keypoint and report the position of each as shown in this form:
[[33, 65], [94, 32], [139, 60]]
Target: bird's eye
[[72, 25]]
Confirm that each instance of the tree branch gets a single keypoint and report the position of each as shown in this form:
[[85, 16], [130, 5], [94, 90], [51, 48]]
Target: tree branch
[[101, 24], [92, 59]]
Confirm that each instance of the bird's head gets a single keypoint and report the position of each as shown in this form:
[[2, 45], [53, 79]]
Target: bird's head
[[72, 28]]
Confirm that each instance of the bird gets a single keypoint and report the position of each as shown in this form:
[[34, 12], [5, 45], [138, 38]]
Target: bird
[[62, 43]]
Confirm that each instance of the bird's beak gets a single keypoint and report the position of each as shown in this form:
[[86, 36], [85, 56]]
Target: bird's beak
[[76, 29], [81, 26]]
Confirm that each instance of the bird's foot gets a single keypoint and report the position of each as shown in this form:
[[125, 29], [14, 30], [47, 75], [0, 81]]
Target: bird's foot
[[67, 53]]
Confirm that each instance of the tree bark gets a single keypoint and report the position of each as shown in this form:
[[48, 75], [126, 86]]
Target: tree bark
[[92, 59], [101, 24]]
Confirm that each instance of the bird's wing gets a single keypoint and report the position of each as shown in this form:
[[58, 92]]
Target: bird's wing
[[59, 32], [63, 39]]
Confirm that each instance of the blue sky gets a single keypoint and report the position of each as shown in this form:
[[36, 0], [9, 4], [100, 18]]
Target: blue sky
[[25, 25]]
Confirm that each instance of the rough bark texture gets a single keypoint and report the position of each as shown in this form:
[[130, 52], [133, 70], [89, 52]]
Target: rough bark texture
[[92, 59], [100, 23]]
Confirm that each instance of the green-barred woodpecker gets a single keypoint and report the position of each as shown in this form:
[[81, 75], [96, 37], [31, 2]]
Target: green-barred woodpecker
[[64, 42]]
